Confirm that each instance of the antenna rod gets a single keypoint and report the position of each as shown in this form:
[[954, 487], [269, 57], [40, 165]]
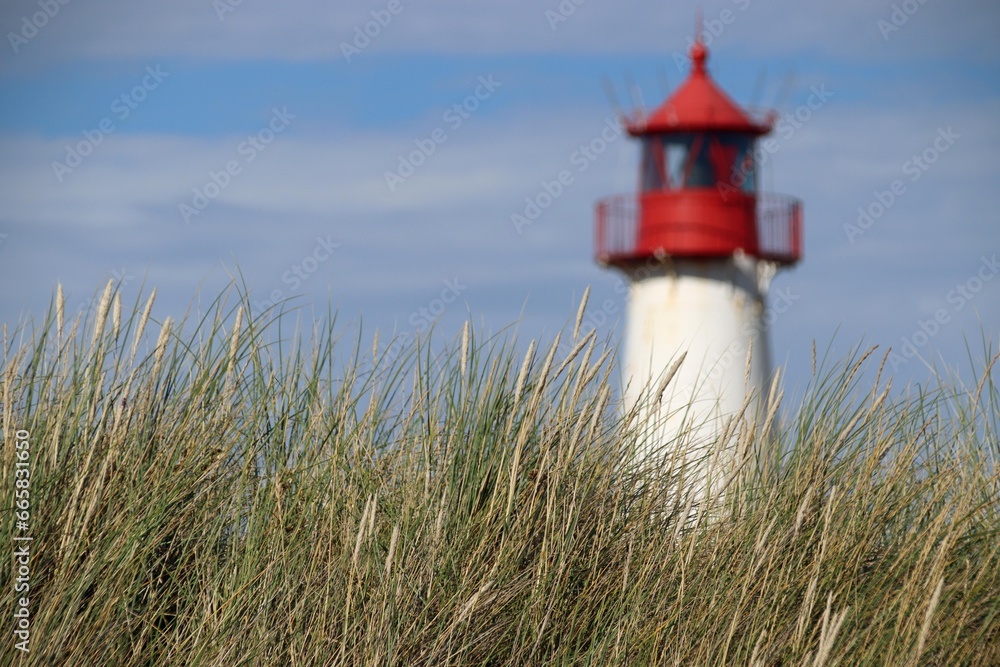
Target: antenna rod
[[609, 92], [635, 94]]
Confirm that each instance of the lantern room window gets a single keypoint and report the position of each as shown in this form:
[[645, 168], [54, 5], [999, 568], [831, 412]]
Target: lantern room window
[[699, 160]]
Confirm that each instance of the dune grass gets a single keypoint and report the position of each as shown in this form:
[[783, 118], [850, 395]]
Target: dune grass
[[211, 497]]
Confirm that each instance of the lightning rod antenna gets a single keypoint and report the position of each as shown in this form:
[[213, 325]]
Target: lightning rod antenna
[[612, 95]]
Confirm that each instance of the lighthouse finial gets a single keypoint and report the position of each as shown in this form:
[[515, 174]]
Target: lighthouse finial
[[698, 52]]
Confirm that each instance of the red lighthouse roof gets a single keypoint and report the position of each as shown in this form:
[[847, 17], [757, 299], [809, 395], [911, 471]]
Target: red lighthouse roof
[[699, 193], [698, 104]]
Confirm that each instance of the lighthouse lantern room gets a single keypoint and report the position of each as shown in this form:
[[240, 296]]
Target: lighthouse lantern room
[[699, 244]]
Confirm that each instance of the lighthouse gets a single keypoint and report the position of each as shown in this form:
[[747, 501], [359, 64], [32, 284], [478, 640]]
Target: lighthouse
[[699, 244]]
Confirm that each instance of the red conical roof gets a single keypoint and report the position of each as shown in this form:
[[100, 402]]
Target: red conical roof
[[698, 104]]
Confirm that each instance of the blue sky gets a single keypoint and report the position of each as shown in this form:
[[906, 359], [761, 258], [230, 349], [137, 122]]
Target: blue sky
[[292, 133]]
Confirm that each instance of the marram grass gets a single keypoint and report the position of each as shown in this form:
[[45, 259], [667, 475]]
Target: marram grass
[[203, 495]]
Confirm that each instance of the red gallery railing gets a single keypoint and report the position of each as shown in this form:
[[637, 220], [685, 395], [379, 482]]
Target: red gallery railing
[[778, 234]]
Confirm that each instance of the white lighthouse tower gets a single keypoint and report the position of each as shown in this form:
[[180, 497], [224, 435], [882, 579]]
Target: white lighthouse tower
[[699, 245]]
